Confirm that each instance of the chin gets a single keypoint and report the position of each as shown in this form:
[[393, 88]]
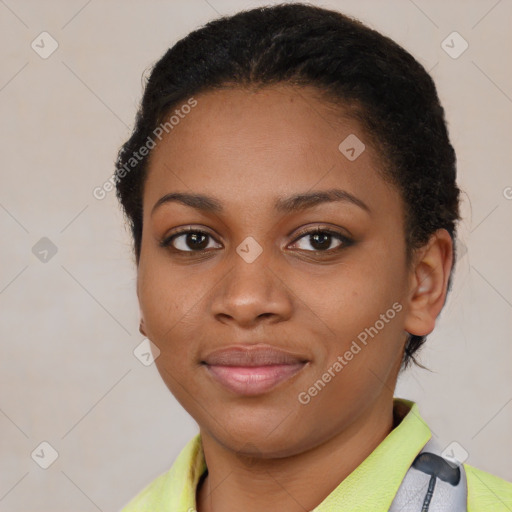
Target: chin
[[258, 435]]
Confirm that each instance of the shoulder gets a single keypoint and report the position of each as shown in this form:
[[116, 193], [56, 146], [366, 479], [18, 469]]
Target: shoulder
[[174, 489], [487, 492], [150, 498]]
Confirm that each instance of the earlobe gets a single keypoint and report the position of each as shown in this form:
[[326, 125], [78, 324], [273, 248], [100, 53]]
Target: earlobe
[[142, 328], [429, 282]]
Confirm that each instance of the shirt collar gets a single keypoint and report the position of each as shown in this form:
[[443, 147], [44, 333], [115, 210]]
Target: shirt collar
[[374, 483], [371, 486]]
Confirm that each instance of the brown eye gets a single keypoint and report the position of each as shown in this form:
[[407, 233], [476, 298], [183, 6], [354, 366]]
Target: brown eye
[[322, 240], [188, 241]]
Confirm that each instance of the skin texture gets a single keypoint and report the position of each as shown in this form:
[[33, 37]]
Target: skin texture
[[247, 149]]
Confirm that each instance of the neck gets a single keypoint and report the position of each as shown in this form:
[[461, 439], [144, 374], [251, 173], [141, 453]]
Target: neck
[[286, 483]]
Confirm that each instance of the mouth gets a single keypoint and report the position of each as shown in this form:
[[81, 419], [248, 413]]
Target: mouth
[[252, 371]]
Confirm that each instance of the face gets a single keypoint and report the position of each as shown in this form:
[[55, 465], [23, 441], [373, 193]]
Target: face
[[318, 282]]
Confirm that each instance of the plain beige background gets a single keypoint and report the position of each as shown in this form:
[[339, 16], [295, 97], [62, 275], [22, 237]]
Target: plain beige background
[[69, 320]]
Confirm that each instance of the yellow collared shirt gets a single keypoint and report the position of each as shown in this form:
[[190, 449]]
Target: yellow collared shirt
[[371, 487]]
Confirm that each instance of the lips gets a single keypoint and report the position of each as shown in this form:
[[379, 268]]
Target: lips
[[252, 370]]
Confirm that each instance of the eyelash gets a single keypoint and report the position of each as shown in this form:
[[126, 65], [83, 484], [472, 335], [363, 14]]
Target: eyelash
[[345, 241]]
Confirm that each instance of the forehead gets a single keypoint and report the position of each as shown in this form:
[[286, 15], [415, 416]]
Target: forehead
[[238, 143]]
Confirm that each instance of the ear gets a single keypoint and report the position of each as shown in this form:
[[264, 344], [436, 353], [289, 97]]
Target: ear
[[428, 283], [142, 327]]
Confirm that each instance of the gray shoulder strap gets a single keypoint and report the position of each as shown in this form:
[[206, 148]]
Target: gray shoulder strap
[[432, 484]]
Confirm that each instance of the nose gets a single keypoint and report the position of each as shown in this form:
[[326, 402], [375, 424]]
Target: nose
[[252, 292]]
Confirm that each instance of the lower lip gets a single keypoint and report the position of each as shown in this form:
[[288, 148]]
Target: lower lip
[[253, 380]]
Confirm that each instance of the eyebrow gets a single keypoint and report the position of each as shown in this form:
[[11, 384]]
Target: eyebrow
[[295, 203]]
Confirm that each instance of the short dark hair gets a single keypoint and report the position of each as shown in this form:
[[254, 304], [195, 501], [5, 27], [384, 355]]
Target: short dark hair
[[381, 84]]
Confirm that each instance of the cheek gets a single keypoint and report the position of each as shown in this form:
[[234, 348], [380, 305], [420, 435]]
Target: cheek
[[363, 340], [169, 307], [361, 305], [169, 304], [356, 295], [167, 293]]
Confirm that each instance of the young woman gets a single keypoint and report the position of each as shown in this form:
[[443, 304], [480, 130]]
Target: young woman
[[291, 191]]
